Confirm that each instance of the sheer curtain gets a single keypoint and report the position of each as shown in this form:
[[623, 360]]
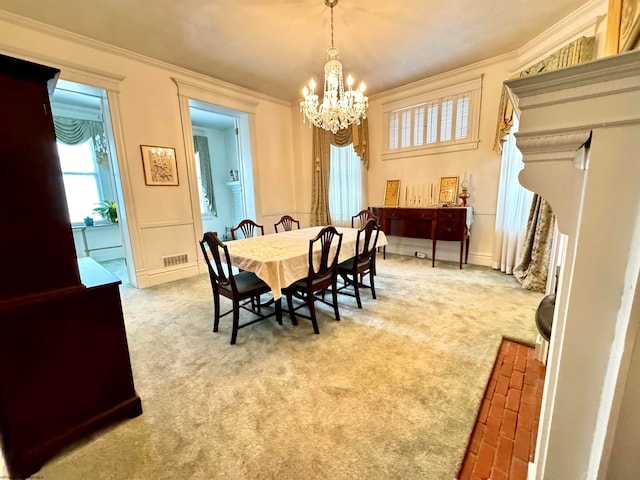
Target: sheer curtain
[[514, 202], [345, 185]]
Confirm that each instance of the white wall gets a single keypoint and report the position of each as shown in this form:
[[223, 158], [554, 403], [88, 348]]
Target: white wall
[[144, 104], [482, 164]]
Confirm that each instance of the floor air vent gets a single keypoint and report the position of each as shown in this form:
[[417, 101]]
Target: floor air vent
[[173, 260]]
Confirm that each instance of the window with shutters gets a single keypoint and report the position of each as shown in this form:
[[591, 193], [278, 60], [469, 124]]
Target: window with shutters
[[438, 121]]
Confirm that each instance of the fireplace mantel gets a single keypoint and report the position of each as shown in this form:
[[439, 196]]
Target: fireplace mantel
[[580, 140]]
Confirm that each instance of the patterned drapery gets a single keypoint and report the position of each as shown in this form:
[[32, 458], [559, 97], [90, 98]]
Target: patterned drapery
[[532, 269], [579, 51], [201, 145], [532, 272], [74, 131], [321, 157]]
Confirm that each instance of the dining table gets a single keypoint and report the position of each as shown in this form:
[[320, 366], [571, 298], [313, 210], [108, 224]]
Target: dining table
[[280, 259]]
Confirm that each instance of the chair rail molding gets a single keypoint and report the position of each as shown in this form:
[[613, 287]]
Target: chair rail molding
[[579, 135]]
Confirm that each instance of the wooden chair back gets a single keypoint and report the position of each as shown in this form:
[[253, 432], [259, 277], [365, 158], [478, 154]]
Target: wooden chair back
[[287, 222], [327, 266], [366, 242], [249, 229], [220, 271], [360, 219]]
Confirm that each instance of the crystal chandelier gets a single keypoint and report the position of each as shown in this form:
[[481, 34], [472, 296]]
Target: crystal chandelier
[[339, 108]]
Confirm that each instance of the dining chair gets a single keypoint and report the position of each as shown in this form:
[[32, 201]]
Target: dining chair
[[248, 227], [353, 270], [241, 288], [359, 220], [286, 222], [321, 276]]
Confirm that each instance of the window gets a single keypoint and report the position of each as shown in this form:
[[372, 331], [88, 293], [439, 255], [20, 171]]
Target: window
[[81, 179], [345, 185], [436, 122]]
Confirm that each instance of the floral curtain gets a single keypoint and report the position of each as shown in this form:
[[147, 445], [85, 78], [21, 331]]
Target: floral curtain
[[532, 268], [321, 154], [579, 51], [74, 131], [201, 145], [532, 272]]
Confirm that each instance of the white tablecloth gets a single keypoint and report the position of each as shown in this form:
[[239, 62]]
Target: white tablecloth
[[282, 258]]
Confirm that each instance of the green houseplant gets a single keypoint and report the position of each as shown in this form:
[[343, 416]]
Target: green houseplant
[[107, 210]]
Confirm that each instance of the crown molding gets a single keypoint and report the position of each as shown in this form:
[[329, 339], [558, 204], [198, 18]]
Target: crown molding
[[87, 42], [69, 70], [582, 22], [446, 78]]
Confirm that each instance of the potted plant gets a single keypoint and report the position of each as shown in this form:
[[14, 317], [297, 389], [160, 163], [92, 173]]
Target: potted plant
[[107, 210]]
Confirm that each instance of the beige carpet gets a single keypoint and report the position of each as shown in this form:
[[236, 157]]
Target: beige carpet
[[390, 392]]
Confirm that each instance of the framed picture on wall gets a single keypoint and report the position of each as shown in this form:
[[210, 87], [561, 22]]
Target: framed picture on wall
[[448, 190], [392, 193], [159, 165]]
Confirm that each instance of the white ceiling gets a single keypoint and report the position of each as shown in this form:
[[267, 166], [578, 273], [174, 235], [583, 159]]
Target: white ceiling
[[275, 46]]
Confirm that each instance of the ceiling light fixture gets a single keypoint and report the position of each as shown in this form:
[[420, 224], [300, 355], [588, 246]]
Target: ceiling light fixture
[[339, 109]]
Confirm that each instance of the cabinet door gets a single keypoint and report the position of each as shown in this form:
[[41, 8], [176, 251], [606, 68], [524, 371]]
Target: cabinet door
[[451, 224]]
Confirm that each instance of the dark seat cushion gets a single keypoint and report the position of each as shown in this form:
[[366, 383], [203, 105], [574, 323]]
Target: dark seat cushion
[[246, 281]]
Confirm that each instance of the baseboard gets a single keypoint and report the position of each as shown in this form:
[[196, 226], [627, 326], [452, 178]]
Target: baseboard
[[157, 277], [446, 252]]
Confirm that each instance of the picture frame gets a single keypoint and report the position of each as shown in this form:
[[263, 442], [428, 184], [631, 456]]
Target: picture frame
[[159, 165], [448, 192], [623, 26], [392, 193]]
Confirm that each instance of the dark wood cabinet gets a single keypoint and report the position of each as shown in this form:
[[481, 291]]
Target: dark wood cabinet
[[64, 360], [435, 223]]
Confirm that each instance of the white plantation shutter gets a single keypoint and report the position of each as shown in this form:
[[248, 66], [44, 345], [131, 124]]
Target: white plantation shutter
[[446, 118], [432, 122], [394, 124], [418, 126], [405, 129], [462, 117]]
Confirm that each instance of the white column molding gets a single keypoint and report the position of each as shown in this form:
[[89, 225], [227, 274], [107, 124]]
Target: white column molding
[[593, 191], [552, 146]]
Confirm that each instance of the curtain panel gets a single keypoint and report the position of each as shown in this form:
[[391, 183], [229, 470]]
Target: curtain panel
[[358, 135], [532, 272], [74, 131], [532, 263], [579, 51], [201, 145]]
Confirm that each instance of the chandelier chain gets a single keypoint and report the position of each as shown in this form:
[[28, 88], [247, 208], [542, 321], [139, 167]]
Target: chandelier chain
[[332, 25]]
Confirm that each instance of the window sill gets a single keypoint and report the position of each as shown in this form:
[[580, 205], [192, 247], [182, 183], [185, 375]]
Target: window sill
[[436, 149]]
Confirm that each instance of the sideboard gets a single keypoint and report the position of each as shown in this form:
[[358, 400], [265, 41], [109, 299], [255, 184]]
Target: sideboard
[[435, 223]]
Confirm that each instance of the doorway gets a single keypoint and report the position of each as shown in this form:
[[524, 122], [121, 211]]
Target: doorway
[[223, 166], [80, 114]]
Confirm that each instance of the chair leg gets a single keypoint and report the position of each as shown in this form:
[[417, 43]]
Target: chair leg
[[216, 311], [334, 294], [311, 302], [373, 287], [356, 289], [278, 306], [236, 321], [290, 304]]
